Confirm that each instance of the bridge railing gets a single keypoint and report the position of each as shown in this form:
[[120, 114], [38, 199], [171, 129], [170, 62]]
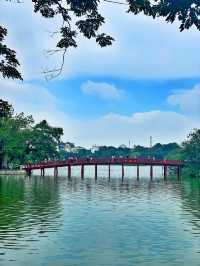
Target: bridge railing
[[90, 161]]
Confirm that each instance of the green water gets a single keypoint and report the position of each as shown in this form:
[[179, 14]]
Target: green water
[[54, 221]]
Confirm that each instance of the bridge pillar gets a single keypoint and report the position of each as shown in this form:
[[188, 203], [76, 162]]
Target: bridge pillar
[[138, 172], [165, 172], [109, 171], [28, 172], [151, 172], [42, 172], [69, 171], [82, 171], [179, 172], [55, 171], [95, 171], [122, 171]]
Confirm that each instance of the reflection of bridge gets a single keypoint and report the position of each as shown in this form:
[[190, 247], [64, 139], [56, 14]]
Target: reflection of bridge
[[105, 161]]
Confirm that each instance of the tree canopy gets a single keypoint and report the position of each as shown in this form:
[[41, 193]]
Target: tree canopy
[[8, 62], [6, 109], [158, 151], [88, 22], [23, 141], [191, 152]]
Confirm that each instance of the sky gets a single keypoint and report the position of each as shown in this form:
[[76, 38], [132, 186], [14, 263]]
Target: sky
[[146, 84]]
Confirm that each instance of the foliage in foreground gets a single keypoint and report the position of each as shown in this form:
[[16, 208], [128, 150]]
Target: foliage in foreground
[[83, 17]]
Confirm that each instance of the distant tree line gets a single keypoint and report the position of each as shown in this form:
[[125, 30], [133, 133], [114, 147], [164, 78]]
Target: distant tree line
[[189, 151], [158, 151]]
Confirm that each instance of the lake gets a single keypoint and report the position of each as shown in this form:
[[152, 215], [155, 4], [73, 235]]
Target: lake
[[56, 221]]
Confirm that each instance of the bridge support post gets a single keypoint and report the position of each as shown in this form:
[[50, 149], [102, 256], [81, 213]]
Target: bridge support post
[[109, 172], [95, 171], [42, 172], [151, 172], [165, 172], [82, 171], [122, 171], [179, 172], [28, 172], [55, 171], [138, 172], [69, 171]]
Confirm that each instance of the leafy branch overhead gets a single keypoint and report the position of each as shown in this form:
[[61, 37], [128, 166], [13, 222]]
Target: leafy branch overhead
[[8, 61], [88, 21]]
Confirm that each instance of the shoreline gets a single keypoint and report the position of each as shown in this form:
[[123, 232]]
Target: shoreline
[[12, 172]]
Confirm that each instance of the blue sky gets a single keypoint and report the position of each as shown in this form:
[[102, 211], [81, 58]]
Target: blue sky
[[139, 95], [147, 83]]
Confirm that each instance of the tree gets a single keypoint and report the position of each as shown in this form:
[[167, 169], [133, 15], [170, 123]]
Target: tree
[[8, 61], [43, 142], [6, 109], [88, 22], [191, 151], [22, 141], [13, 133]]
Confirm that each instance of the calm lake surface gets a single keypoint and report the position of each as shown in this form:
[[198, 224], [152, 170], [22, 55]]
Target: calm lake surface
[[56, 221]]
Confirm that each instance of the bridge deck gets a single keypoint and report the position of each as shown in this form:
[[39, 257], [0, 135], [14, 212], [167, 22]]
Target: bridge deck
[[104, 161]]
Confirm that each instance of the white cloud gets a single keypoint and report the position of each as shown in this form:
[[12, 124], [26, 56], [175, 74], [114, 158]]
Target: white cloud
[[187, 100], [37, 101], [102, 90], [110, 129], [115, 129], [26, 95]]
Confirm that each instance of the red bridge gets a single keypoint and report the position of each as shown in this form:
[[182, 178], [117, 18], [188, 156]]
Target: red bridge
[[105, 161]]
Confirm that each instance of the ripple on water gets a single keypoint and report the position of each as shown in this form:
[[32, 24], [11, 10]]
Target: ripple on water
[[48, 221]]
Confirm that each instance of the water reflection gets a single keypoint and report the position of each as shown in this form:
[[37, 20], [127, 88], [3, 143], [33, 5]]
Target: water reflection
[[28, 208], [190, 195], [56, 221]]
